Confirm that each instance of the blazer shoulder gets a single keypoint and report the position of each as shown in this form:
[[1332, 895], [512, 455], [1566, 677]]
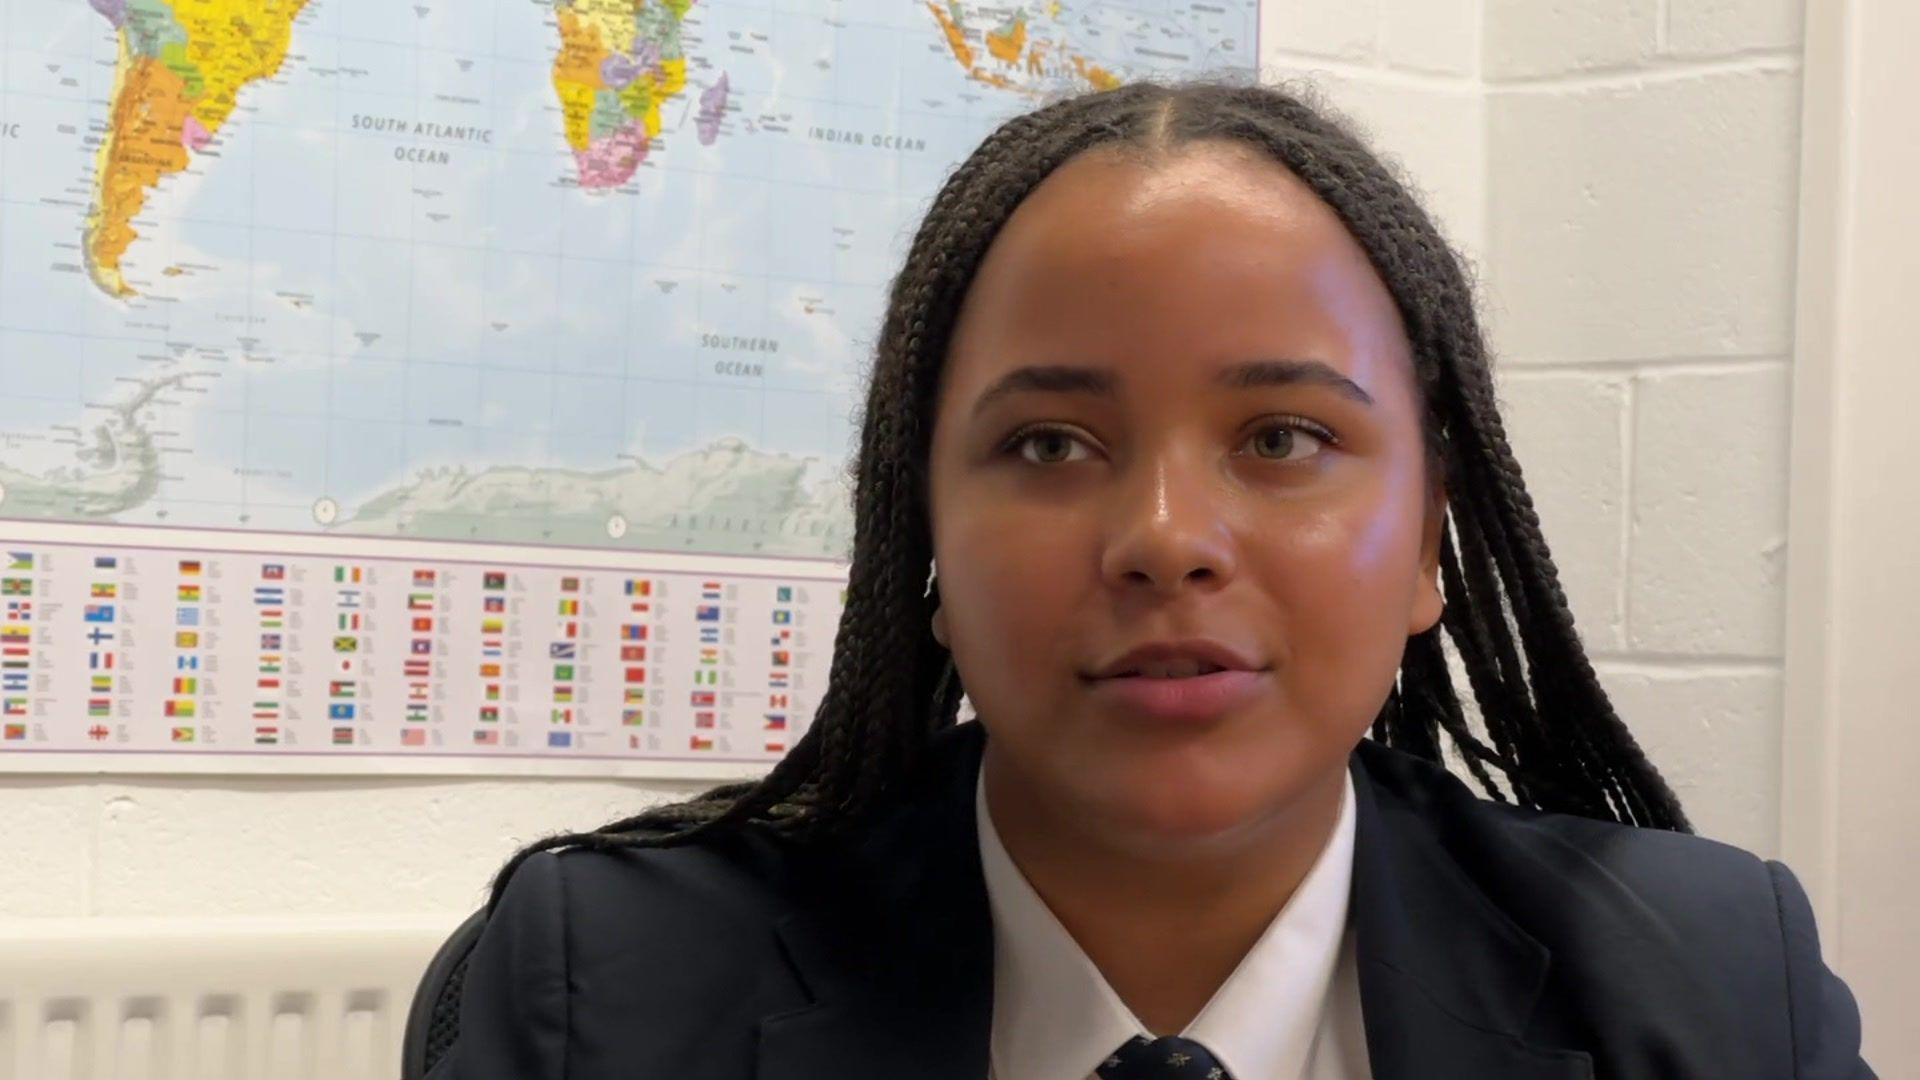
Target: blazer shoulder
[[727, 889], [1570, 857], [614, 963], [1648, 929], [1619, 907]]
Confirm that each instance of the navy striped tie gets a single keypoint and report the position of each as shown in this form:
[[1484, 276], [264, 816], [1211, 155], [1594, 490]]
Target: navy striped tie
[[1168, 1057]]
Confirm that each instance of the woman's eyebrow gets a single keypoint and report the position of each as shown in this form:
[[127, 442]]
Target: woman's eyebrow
[[1071, 379], [1049, 378], [1291, 372]]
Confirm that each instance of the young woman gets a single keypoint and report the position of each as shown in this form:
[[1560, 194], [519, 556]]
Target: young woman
[[1179, 456]]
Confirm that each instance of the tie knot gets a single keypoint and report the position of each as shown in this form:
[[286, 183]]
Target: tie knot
[[1168, 1057]]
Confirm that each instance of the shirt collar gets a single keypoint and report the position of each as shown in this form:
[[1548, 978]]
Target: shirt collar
[[1054, 1015]]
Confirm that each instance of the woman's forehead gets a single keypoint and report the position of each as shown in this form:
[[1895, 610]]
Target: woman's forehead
[[1140, 185], [1206, 257]]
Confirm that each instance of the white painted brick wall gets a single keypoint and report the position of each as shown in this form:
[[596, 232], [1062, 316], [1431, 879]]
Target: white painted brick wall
[[50, 855], [1552, 37], [1628, 193], [285, 845], [1340, 29], [1433, 131], [1708, 563], [1700, 28], [1644, 219], [286, 854], [1441, 36]]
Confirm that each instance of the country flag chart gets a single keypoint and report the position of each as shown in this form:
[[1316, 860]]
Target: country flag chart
[[154, 653]]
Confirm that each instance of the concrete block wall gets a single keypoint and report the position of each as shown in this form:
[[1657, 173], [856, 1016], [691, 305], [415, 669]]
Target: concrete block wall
[[1623, 175], [205, 846], [1621, 172]]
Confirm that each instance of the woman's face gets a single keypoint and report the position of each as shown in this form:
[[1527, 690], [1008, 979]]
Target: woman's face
[[1131, 450]]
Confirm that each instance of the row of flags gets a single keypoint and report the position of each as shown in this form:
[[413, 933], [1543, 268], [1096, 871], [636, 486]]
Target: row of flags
[[344, 699], [565, 652], [202, 602], [103, 589], [423, 624], [16, 645], [270, 603], [708, 616], [493, 651], [781, 642], [705, 703], [181, 706]]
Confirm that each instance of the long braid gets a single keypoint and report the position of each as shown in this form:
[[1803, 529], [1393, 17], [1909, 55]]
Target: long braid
[[1464, 621], [1553, 646], [1552, 737]]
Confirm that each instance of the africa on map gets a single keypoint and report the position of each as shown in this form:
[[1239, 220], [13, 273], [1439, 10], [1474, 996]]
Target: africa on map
[[573, 272]]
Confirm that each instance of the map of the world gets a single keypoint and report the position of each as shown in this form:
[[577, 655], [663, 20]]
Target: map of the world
[[569, 272]]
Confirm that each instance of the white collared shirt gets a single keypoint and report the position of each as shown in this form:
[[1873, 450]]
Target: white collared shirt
[[1289, 1011]]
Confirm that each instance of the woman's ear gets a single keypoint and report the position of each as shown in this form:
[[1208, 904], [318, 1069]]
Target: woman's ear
[[1429, 601], [939, 609], [940, 626]]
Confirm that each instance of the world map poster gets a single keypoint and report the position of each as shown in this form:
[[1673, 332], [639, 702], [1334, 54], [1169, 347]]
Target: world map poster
[[560, 290]]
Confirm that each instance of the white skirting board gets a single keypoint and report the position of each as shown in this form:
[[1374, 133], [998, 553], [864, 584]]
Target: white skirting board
[[210, 999]]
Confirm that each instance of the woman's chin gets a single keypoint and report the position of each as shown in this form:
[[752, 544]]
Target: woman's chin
[[1162, 827]]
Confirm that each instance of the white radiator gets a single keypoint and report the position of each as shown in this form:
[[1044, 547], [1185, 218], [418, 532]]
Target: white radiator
[[209, 999]]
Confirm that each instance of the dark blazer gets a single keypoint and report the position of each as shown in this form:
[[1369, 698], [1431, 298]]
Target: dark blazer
[[1492, 942]]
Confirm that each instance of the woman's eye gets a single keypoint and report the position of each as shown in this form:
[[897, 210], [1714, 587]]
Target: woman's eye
[[1048, 446], [1275, 442], [1278, 442]]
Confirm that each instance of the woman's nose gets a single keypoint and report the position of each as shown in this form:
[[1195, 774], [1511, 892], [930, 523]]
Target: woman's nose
[[1170, 528]]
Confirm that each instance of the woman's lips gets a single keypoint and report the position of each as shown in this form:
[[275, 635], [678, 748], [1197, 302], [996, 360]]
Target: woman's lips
[[1195, 699]]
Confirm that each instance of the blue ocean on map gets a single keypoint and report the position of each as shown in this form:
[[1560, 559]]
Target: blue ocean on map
[[394, 293]]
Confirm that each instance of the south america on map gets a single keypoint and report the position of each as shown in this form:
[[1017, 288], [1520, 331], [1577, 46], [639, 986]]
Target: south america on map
[[181, 66], [573, 272]]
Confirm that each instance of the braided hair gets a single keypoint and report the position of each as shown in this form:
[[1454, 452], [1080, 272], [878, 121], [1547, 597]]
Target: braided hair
[[1551, 736]]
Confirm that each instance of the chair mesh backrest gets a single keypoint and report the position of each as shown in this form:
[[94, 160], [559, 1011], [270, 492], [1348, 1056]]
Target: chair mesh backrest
[[444, 1027]]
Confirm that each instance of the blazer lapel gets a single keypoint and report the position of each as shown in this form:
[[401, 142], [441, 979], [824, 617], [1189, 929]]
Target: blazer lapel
[[894, 941], [1447, 981]]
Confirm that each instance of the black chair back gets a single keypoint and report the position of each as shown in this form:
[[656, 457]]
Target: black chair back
[[433, 1021]]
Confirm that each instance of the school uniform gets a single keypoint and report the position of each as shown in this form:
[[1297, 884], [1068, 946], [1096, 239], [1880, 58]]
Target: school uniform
[[1478, 940], [1291, 1008]]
